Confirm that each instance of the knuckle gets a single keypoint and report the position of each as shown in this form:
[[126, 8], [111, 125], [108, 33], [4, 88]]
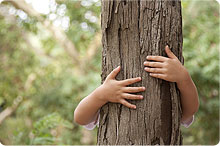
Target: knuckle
[[153, 64], [126, 96], [130, 81], [152, 74], [168, 60], [121, 91], [126, 89], [125, 82], [166, 63], [137, 97], [131, 96], [127, 104], [133, 89], [122, 102], [117, 100]]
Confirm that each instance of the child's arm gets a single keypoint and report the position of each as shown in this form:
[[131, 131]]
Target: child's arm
[[170, 69], [110, 91]]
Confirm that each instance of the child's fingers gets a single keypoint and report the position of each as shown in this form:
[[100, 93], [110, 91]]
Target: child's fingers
[[133, 89], [157, 58], [132, 96], [154, 70], [156, 75], [114, 73], [153, 64], [130, 81], [125, 103], [170, 53]]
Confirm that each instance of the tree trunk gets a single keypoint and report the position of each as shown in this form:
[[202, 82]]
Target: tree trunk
[[131, 30]]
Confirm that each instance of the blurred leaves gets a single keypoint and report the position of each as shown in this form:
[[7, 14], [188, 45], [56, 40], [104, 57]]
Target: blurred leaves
[[44, 131], [201, 52], [49, 122]]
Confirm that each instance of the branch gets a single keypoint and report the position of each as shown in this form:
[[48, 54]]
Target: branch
[[12, 20], [9, 110], [37, 51], [91, 51], [57, 33]]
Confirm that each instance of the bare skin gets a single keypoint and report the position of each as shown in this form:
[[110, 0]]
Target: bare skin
[[166, 68]]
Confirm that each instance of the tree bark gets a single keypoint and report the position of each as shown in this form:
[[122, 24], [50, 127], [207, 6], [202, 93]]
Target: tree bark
[[131, 30]]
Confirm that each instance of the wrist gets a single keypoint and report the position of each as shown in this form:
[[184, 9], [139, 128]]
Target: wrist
[[185, 79], [100, 96]]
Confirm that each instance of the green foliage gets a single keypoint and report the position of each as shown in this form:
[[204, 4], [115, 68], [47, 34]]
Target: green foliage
[[201, 52], [57, 86], [49, 122], [42, 128]]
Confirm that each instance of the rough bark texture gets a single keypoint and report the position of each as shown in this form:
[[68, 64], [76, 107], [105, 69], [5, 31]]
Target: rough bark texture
[[131, 30]]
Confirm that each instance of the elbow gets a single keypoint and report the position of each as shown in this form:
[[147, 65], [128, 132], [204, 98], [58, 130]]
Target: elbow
[[189, 113], [76, 118], [196, 107], [195, 110]]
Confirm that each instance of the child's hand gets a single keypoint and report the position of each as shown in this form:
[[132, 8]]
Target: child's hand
[[169, 69], [116, 91]]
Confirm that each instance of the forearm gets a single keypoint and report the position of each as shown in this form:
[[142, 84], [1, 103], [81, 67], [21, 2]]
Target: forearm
[[87, 109], [189, 97]]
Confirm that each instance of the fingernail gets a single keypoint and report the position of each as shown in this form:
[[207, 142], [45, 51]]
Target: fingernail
[[141, 97], [134, 107], [143, 88], [139, 78]]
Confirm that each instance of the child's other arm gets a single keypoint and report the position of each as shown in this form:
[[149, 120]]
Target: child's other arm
[[110, 91], [189, 97], [170, 69]]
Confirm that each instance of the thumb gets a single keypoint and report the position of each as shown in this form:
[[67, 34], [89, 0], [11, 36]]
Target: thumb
[[170, 53], [114, 73]]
